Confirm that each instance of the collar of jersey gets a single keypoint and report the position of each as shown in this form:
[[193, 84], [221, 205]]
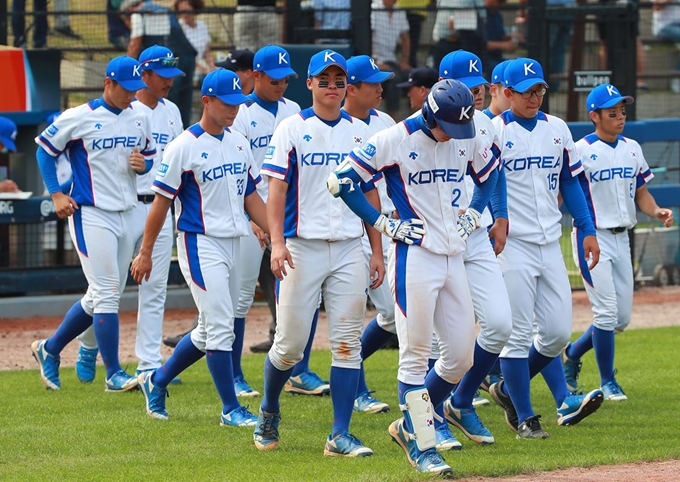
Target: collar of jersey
[[594, 137], [271, 107], [309, 112], [488, 113], [528, 124], [102, 103], [417, 123]]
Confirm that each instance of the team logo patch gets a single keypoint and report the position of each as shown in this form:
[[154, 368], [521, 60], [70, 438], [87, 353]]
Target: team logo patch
[[358, 140], [162, 169], [426, 397], [253, 123], [430, 422], [204, 155], [461, 152], [557, 140], [51, 130], [509, 145], [307, 137], [413, 155], [369, 150], [593, 157], [270, 152], [97, 126]]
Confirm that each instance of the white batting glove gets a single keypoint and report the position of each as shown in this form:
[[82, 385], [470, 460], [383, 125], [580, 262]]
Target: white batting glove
[[467, 222], [405, 230]]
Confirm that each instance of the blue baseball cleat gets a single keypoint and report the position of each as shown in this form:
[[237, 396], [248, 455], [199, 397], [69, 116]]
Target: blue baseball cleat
[[428, 462], [612, 391], [155, 396], [571, 368], [242, 388], [445, 439], [48, 363], [307, 383], [479, 401], [367, 403], [121, 382], [238, 417], [174, 381], [266, 435], [577, 407], [86, 364], [468, 422], [489, 380], [345, 444]]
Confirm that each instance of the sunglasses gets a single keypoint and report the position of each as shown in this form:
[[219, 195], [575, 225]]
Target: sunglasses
[[276, 82], [528, 95], [323, 84], [165, 61]]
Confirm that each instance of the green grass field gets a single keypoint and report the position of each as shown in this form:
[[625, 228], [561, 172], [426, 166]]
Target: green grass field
[[82, 433]]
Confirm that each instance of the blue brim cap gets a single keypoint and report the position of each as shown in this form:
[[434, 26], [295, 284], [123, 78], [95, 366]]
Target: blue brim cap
[[282, 73], [8, 143], [626, 99], [527, 84], [472, 82], [169, 72], [378, 78], [232, 99], [132, 85], [320, 70], [458, 131]]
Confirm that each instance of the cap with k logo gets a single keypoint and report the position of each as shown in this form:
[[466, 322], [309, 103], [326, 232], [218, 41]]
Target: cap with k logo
[[463, 66], [605, 96], [522, 74], [324, 59], [362, 68], [273, 61], [225, 85], [127, 72]]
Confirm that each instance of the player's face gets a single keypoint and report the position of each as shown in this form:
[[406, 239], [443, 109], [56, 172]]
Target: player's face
[[247, 80], [368, 95], [116, 95], [479, 92], [439, 134], [526, 108], [220, 113], [417, 96], [158, 86], [502, 102], [329, 87], [610, 121], [268, 89]]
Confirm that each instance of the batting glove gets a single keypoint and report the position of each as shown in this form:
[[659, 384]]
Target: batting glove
[[467, 222], [405, 230]]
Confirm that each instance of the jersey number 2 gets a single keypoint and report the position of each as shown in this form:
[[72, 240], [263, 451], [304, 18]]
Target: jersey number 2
[[456, 196]]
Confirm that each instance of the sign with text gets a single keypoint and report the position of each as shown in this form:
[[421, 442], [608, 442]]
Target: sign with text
[[587, 80]]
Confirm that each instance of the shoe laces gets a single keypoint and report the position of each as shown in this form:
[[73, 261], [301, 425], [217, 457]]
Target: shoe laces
[[433, 457], [312, 376], [267, 424], [351, 439], [242, 411], [474, 419], [534, 423], [87, 356]]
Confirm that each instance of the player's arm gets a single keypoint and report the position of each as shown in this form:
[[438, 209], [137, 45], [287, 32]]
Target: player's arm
[[499, 208], [276, 211], [141, 265], [377, 262], [647, 204], [467, 222], [254, 205], [575, 201], [63, 203]]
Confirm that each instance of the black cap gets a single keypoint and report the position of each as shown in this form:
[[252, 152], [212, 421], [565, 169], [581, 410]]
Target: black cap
[[238, 60], [421, 77]]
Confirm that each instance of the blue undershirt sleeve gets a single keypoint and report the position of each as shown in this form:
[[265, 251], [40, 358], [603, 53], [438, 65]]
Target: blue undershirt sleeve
[[575, 201], [355, 199], [48, 169], [483, 191], [499, 198]]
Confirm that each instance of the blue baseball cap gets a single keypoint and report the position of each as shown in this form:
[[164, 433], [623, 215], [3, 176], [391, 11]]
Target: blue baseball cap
[[273, 61], [322, 60], [225, 85], [127, 72], [522, 74], [605, 96], [463, 66], [362, 68], [498, 74], [8, 133], [161, 60]]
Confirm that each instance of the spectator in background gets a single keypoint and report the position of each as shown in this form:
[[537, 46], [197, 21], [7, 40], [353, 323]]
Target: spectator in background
[[666, 26], [498, 41], [460, 28], [241, 63], [420, 81], [37, 22], [415, 22], [8, 134], [197, 34], [256, 24], [333, 15], [390, 29], [62, 24], [118, 29]]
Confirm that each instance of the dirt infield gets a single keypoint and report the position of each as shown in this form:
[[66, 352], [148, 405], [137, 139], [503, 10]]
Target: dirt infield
[[653, 307]]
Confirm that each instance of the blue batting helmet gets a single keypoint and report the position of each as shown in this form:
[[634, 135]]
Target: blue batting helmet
[[450, 105]]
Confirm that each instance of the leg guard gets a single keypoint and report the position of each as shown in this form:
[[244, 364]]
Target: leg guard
[[419, 412]]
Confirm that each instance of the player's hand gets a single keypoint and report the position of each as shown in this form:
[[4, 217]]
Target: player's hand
[[63, 205], [499, 235], [665, 216], [467, 222], [260, 235], [279, 257], [141, 268], [591, 250], [404, 230], [137, 161], [376, 270]]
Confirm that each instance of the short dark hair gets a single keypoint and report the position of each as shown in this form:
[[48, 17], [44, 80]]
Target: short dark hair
[[195, 4]]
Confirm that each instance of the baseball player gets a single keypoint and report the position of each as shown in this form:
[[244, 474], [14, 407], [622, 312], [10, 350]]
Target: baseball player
[[489, 296], [540, 163], [206, 170], [316, 246], [159, 68], [109, 144], [258, 117], [364, 93], [499, 102], [424, 160], [614, 183]]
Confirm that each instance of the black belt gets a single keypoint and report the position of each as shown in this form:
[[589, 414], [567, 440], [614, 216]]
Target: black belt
[[146, 198], [618, 230]]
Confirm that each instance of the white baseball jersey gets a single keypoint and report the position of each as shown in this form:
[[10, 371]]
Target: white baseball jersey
[[166, 124], [304, 151], [426, 178], [257, 119], [614, 172], [208, 177], [99, 140], [533, 161]]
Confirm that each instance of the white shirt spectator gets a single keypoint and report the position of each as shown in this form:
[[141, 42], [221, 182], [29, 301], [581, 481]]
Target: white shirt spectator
[[387, 27], [462, 19], [198, 36]]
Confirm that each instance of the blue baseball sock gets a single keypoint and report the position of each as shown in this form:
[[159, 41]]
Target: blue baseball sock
[[437, 387], [581, 346], [496, 368], [237, 346], [106, 331], [603, 342], [372, 339], [274, 380], [469, 384], [75, 322], [517, 385], [303, 364], [403, 388], [537, 362], [439, 409], [219, 364], [343, 387], [553, 374], [185, 355]]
